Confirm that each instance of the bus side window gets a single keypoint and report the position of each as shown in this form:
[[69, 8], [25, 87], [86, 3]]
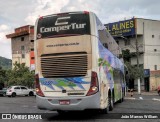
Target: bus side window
[[122, 77], [105, 45], [116, 76], [102, 34]]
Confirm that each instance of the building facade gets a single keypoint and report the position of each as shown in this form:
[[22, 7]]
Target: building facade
[[22, 42], [145, 34]]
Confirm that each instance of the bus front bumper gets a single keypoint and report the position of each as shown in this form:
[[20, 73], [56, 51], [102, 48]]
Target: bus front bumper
[[76, 103]]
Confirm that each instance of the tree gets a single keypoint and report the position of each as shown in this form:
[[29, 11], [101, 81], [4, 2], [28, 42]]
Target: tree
[[3, 77], [20, 75], [126, 55], [134, 71]]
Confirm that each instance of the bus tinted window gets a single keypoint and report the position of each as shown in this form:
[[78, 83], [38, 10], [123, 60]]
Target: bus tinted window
[[70, 24]]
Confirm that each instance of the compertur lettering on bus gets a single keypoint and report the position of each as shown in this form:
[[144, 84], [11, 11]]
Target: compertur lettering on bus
[[62, 28]]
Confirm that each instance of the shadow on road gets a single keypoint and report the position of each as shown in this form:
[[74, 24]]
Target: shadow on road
[[75, 116]]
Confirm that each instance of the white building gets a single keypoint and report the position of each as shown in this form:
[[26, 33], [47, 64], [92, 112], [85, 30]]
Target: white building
[[148, 37]]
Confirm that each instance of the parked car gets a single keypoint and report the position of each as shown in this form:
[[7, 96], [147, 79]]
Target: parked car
[[3, 92], [158, 90], [19, 90]]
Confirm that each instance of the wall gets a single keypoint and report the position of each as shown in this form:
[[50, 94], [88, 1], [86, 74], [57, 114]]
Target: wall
[[154, 82], [17, 51], [151, 30], [154, 79]]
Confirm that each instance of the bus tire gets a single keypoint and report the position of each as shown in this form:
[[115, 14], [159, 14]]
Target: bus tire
[[104, 111], [110, 102], [122, 97], [121, 100]]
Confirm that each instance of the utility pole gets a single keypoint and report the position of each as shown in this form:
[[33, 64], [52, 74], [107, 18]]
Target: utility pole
[[137, 54], [137, 51]]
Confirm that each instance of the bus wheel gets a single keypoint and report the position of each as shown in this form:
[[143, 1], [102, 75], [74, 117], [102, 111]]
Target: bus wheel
[[122, 97], [110, 102], [104, 111]]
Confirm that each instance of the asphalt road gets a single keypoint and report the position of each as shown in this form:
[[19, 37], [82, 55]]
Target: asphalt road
[[144, 103]]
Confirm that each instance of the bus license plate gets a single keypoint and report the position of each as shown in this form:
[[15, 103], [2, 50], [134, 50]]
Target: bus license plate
[[64, 102]]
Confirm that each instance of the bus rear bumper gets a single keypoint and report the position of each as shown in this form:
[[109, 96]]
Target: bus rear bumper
[[76, 103]]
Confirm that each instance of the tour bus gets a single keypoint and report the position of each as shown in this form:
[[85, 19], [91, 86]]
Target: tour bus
[[77, 65]]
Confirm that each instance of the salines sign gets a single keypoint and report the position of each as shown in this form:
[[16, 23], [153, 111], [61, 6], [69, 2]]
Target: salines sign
[[122, 28]]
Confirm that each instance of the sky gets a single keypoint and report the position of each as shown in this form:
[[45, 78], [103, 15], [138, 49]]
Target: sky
[[16, 13]]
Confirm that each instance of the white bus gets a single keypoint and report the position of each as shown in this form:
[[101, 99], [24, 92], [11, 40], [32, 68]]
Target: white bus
[[76, 64]]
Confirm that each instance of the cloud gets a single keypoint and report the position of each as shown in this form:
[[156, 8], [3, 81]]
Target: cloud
[[45, 7], [16, 13], [4, 29], [5, 49]]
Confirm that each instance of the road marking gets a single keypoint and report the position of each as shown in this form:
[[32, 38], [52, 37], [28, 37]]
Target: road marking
[[141, 98], [130, 98], [156, 99], [25, 106]]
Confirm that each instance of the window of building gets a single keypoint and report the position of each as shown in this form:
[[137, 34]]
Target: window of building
[[24, 63], [127, 42], [152, 36], [22, 47], [155, 67], [32, 58], [23, 55], [22, 38], [32, 40], [155, 50]]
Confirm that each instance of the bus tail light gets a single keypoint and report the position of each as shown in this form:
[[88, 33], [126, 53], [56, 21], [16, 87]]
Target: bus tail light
[[38, 88], [41, 17], [86, 12], [94, 84]]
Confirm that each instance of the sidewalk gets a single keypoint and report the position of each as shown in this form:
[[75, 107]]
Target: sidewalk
[[144, 93]]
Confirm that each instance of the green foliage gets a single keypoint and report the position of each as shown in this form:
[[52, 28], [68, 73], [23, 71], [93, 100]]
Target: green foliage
[[3, 76], [102, 62], [5, 63], [134, 71], [20, 75], [126, 55]]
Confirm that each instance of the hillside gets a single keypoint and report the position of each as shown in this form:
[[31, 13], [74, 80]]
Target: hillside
[[5, 63]]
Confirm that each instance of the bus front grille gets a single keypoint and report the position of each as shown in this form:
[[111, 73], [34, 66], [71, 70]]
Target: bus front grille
[[64, 65]]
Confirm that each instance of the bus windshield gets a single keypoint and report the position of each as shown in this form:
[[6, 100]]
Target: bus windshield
[[63, 24]]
